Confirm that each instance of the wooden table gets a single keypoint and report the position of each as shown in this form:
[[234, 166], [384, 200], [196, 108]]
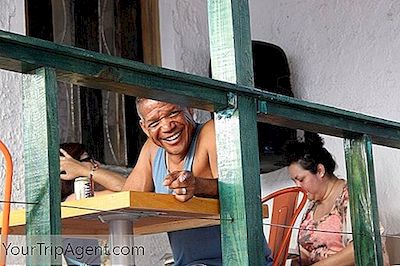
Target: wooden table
[[161, 213], [120, 214]]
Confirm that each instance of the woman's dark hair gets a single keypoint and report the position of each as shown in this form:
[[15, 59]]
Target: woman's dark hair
[[75, 150], [309, 154]]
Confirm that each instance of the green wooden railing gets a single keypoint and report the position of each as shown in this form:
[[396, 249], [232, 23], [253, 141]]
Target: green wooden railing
[[236, 106]]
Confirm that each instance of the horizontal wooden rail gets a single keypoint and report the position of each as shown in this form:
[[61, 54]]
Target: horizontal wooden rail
[[23, 54], [294, 113], [87, 68]]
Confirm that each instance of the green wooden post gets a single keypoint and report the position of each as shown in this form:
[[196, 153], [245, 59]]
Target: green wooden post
[[236, 128], [42, 167], [363, 202]]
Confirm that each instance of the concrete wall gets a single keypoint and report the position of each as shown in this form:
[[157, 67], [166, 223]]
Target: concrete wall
[[341, 53], [344, 54], [184, 35], [184, 39], [12, 19]]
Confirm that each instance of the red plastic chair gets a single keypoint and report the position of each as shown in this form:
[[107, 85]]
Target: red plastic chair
[[285, 212], [7, 199]]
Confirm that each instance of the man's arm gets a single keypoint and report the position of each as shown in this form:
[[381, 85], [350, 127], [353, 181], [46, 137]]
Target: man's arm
[[186, 185], [205, 187], [108, 179], [208, 187], [140, 179], [208, 135], [344, 257]]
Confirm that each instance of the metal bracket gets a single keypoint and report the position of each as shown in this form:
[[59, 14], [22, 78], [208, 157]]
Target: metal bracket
[[262, 107], [131, 216], [232, 107]]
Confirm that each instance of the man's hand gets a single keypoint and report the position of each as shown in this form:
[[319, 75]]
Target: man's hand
[[71, 168], [183, 183]]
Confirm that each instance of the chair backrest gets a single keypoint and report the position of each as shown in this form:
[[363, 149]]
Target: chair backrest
[[284, 214], [7, 199]]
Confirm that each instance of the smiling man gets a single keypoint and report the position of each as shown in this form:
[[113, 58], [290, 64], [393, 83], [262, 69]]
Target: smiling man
[[164, 164], [179, 157]]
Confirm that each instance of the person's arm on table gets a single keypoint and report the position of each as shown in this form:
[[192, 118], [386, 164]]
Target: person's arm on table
[[73, 168], [185, 185], [140, 179]]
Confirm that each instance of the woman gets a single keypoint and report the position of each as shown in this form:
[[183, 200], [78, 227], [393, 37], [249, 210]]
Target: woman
[[312, 167], [78, 152], [75, 161]]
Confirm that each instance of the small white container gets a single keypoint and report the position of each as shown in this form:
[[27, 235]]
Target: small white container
[[83, 188]]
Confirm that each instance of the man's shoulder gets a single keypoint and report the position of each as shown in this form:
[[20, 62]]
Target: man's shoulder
[[207, 133], [149, 149], [208, 127]]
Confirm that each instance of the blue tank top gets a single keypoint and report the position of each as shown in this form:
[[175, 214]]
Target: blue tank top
[[191, 246], [185, 243], [160, 170]]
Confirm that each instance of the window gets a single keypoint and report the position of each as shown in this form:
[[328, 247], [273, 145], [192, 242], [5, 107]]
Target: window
[[105, 122]]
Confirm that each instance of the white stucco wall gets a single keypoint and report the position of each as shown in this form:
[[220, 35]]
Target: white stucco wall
[[12, 19], [341, 53], [184, 35], [181, 21], [344, 54]]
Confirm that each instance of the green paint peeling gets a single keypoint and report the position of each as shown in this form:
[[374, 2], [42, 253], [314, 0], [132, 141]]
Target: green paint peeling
[[363, 200]]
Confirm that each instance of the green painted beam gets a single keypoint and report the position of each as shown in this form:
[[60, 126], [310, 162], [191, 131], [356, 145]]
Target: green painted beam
[[91, 69], [41, 155], [22, 54], [295, 113], [363, 201], [236, 129], [239, 185]]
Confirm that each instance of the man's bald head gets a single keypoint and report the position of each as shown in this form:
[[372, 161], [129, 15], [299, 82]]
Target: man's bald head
[[140, 101]]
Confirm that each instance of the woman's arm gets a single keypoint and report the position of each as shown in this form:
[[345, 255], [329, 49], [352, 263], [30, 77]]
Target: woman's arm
[[73, 168], [344, 257]]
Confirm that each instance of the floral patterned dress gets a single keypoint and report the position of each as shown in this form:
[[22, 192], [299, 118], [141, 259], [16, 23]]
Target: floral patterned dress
[[321, 244]]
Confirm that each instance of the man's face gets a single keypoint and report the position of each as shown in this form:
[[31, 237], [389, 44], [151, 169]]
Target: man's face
[[168, 125]]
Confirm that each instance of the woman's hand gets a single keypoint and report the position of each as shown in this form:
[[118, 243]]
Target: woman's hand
[[71, 168], [344, 257], [70, 197]]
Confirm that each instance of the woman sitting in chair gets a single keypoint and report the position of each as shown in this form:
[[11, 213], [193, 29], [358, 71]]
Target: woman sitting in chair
[[312, 167]]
